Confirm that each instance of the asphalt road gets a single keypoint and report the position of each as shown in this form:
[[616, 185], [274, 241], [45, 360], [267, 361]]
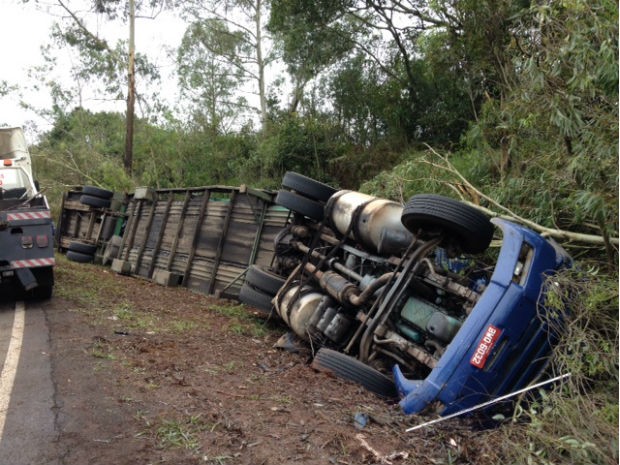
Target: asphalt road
[[27, 395]]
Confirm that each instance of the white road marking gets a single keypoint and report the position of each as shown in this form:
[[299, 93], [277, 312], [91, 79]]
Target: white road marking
[[7, 377]]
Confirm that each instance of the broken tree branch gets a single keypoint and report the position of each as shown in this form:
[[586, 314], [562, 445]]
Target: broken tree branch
[[558, 234], [383, 459]]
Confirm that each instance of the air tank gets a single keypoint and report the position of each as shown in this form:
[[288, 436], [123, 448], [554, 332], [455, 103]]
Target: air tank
[[297, 306], [372, 222]]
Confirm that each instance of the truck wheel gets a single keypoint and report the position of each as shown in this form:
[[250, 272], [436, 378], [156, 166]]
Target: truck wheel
[[86, 249], [307, 187], [264, 280], [43, 292], [348, 368], [79, 257], [96, 202], [45, 281], [97, 192], [300, 204], [255, 298], [467, 228]]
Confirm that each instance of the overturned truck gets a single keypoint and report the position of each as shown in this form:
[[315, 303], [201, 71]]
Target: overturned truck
[[409, 300], [26, 228]]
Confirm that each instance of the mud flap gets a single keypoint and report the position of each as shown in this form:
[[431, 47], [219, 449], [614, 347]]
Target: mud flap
[[26, 278]]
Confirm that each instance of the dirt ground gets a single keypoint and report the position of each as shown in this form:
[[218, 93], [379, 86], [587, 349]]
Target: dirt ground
[[146, 374]]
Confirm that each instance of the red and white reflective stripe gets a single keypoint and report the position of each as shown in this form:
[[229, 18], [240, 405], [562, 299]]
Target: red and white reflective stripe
[[28, 215], [33, 263]]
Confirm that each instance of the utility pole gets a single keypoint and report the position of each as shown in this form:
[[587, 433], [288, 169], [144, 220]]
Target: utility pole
[[131, 92]]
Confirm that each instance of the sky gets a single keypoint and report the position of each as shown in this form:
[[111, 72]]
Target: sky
[[25, 27], [22, 31]]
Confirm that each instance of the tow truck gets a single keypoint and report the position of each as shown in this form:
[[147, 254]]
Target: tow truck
[[26, 227]]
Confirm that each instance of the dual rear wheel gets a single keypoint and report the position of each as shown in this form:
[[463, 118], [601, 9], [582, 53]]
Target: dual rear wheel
[[304, 196], [96, 197], [260, 287]]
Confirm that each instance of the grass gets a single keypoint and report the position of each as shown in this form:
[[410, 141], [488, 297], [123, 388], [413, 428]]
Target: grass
[[99, 296], [102, 351], [284, 399], [83, 284], [579, 422], [124, 312], [183, 326], [241, 321], [133, 319], [110, 304], [181, 433]]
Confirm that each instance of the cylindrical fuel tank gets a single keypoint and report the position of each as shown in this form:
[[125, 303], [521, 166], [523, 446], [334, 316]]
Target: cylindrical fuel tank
[[373, 222], [296, 308]]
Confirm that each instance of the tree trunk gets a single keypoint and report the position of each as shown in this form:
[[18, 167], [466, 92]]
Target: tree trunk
[[131, 92], [261, 67]]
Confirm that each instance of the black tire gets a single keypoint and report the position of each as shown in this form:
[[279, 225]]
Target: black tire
[[467, 228], [97, 192], [80, 247], [264, 280], [41, 293], [96, 202], [300, 204], [79, 257], [45, 281], [307, 187], [255, 298], [348, 368]]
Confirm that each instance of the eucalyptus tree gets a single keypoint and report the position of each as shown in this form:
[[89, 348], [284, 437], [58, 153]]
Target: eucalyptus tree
[[542, 80], [561, 115], [210, 73], [216, 24], [407, 44]]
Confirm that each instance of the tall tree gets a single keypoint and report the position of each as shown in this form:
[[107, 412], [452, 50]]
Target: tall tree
[[312, 37], [106, 69], [563, 100], [131, 90], [210, 72], [394, 38], [251, 57]]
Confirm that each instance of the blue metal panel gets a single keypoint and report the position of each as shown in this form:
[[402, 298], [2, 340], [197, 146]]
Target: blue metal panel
[[520, 351]]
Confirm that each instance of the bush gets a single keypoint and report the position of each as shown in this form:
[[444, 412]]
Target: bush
[[577, 423]]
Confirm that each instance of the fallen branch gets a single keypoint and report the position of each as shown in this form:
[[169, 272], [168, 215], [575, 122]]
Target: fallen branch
[[558, 234], [365, 445], [468, 187], [384, 459]]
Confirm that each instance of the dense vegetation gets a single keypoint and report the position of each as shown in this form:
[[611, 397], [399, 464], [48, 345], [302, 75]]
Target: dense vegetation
[[512, 105]]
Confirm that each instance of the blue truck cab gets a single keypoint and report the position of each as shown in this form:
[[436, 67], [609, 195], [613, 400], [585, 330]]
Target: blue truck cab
[[506, 340]]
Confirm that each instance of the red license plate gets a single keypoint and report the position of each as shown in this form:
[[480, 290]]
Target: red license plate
[[485, 346]]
